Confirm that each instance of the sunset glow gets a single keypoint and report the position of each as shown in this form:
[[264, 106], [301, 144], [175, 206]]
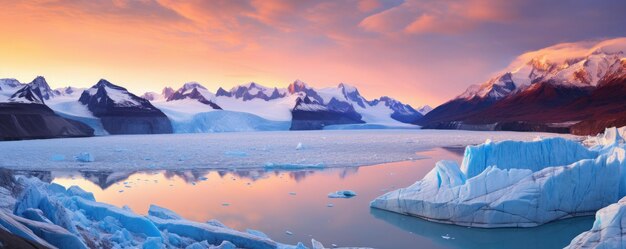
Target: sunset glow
[[421, 52]]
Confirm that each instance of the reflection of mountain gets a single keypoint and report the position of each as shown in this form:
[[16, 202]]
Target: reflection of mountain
[[553, 235], [105, 179], [189, 176]]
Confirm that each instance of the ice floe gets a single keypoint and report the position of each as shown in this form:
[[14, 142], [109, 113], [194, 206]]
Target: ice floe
[[56, 217], [330, 148], [342, 194], [516, 184]]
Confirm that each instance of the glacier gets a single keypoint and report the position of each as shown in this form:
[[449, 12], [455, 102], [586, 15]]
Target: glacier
[[516, 184], [55, 217]]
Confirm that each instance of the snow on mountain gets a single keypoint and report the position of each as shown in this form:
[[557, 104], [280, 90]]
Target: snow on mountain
[[253, 91], [36, 91], [65, 103], [424, 109], [122, 112], [28, 94], [193, 90], [8, 88], [583, 64]]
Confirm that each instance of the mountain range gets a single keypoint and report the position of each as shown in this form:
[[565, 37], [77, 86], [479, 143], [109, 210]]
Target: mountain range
[[34, 110], [572, 87], [577, 88]]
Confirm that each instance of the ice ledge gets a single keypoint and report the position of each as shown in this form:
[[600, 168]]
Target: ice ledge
[[515, 184]]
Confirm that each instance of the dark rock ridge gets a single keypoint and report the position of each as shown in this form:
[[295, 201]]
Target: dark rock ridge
[[36, 121], [309, 114], [122, 112]]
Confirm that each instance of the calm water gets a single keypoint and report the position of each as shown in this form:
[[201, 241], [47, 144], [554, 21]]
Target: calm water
[[296, 201]]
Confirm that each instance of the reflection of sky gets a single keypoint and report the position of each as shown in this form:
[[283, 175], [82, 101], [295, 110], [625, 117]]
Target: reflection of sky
[[260, 199]]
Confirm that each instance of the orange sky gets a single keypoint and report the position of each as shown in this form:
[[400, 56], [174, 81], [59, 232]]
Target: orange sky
[[420, 52]]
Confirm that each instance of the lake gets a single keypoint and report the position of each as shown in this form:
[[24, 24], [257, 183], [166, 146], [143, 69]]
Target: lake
[[277, 201]]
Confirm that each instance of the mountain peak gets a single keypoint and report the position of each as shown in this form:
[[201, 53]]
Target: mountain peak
[[29, 94], [297, 86], [192, 85]]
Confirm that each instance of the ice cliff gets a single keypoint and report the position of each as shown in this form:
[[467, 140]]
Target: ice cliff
[[517, 184]]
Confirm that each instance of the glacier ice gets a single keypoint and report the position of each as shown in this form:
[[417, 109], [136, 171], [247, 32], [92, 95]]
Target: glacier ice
[[607, 231], [515, 184], [56, 217], [85, 157], [342, 194]]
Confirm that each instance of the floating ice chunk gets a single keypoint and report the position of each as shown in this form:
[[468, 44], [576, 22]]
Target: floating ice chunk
[[515, 184], [288, 166], [202, 178], [342, 194], [163, 213], [84, 157], [330, 205], [288, 233], [316, 244], [299, 146], [57, 157], [292, 193], [236, 153]]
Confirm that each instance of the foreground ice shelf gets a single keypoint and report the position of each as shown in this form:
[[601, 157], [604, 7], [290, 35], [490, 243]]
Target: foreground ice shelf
[[55, 217], [517, 184]]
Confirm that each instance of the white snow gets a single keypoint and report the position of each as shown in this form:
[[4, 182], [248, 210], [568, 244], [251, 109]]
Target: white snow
[[327, 148], [515, 184], [67, 106], [572, 64]]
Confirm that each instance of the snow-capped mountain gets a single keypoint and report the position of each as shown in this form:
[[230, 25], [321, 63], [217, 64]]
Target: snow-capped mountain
[[67, 91], [122, 112], [252, 91], [110, 109], [29, 94], [40, 86], [194, 90], [538, 90], [25, 114]]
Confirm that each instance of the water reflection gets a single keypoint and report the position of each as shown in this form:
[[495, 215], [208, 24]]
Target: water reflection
[[553, 235], [262, 199]]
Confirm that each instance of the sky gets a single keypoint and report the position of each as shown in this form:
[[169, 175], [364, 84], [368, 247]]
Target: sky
[[417, 51]]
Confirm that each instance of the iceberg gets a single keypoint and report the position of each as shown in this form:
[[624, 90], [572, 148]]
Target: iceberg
[[607, 230], [342, 194], [84, 157], [515, 184]]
